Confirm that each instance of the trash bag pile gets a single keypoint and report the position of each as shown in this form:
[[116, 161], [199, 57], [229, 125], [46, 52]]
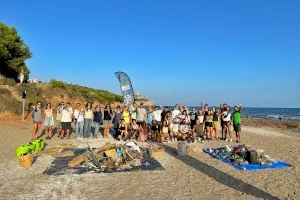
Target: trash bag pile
[[113, 157], [32, 147], [241, 155]]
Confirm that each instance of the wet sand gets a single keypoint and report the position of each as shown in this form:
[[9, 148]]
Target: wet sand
[[192, 177]]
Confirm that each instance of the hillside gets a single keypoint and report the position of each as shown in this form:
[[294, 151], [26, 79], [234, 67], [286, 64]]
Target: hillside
[[53, 92]]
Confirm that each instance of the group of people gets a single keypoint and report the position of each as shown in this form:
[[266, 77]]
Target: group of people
[[136, 122]]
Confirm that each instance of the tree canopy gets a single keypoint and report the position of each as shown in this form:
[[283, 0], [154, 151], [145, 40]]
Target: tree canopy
[[13, 53]]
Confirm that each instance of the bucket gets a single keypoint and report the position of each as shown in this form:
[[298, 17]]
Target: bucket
[[25, 161], [252, 157], [181, 148], [22, 150]]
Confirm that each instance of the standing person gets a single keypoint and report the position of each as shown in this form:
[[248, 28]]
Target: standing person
[[117, 118], [141, 114], [216, 122], [108, 116], [58, 118], [48, 122], [133, 111], [37, 120], [205, 113], [222, 108], [66, 121], [157, 115], [164, 113], [88, 119], [126, 116], [209, 125], [21, 76], [226, 116], [78, 117], [201, 119], [176, 112], [193, 116], [149, 116], [98, 121], [236, 119]]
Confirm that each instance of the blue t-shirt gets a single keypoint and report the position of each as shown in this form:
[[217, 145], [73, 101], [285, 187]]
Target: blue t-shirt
[[149, 118]]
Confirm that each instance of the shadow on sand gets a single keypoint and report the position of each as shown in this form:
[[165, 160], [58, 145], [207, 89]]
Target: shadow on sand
[[220, 176]]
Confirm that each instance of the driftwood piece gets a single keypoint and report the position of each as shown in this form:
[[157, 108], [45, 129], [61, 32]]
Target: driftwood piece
[[98, 153], [76, 161], [159, 153]]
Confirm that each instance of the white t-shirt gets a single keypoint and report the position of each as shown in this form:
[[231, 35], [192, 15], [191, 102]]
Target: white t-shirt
[[157, 115], [66, 115], [175, 113], [141, 114], [228, 117], [201, 118], [184, 128], [78, 115]]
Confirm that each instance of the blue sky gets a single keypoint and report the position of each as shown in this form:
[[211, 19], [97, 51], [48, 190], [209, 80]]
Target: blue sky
[[174, 51]]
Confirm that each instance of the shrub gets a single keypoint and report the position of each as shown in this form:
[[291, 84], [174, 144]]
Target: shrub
[[7, 81], [9, 103]]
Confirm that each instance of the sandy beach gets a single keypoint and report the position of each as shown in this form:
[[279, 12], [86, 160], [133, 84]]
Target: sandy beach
[[197, 176]]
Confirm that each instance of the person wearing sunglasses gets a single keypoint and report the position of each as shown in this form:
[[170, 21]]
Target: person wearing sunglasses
[[108, 116], [37, 120], [48, 122], [58, 118]]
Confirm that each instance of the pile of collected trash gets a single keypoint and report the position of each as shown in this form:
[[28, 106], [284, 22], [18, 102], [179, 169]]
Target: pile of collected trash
[[116, 157], [241, 155]]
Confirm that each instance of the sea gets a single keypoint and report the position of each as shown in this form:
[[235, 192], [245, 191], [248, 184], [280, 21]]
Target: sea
[[271, 113]]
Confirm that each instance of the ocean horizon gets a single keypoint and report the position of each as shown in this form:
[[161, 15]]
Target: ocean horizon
[[267, 112]]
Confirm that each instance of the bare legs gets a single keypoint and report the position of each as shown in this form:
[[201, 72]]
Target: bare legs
[[48, 132], [238, 136], [227, 131], [35, 133], [106, 130]]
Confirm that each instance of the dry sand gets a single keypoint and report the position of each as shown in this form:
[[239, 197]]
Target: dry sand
[[191, 177]]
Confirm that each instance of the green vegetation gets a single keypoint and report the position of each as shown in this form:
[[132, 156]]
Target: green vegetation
[[9, 103], [13, 53], [53, 92], [88, 94], [7, 81]]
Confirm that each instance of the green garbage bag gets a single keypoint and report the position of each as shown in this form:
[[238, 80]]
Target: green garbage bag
[[43, 144], [31, 146], [22, 150], [37, 144]]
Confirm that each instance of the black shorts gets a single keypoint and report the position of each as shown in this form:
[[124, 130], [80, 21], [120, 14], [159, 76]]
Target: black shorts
[[237, 127], [140, 123], [226, 123], [209, 124], [66, 125]]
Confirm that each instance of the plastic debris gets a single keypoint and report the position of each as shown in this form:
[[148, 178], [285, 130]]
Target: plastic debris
[[241, 155]]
